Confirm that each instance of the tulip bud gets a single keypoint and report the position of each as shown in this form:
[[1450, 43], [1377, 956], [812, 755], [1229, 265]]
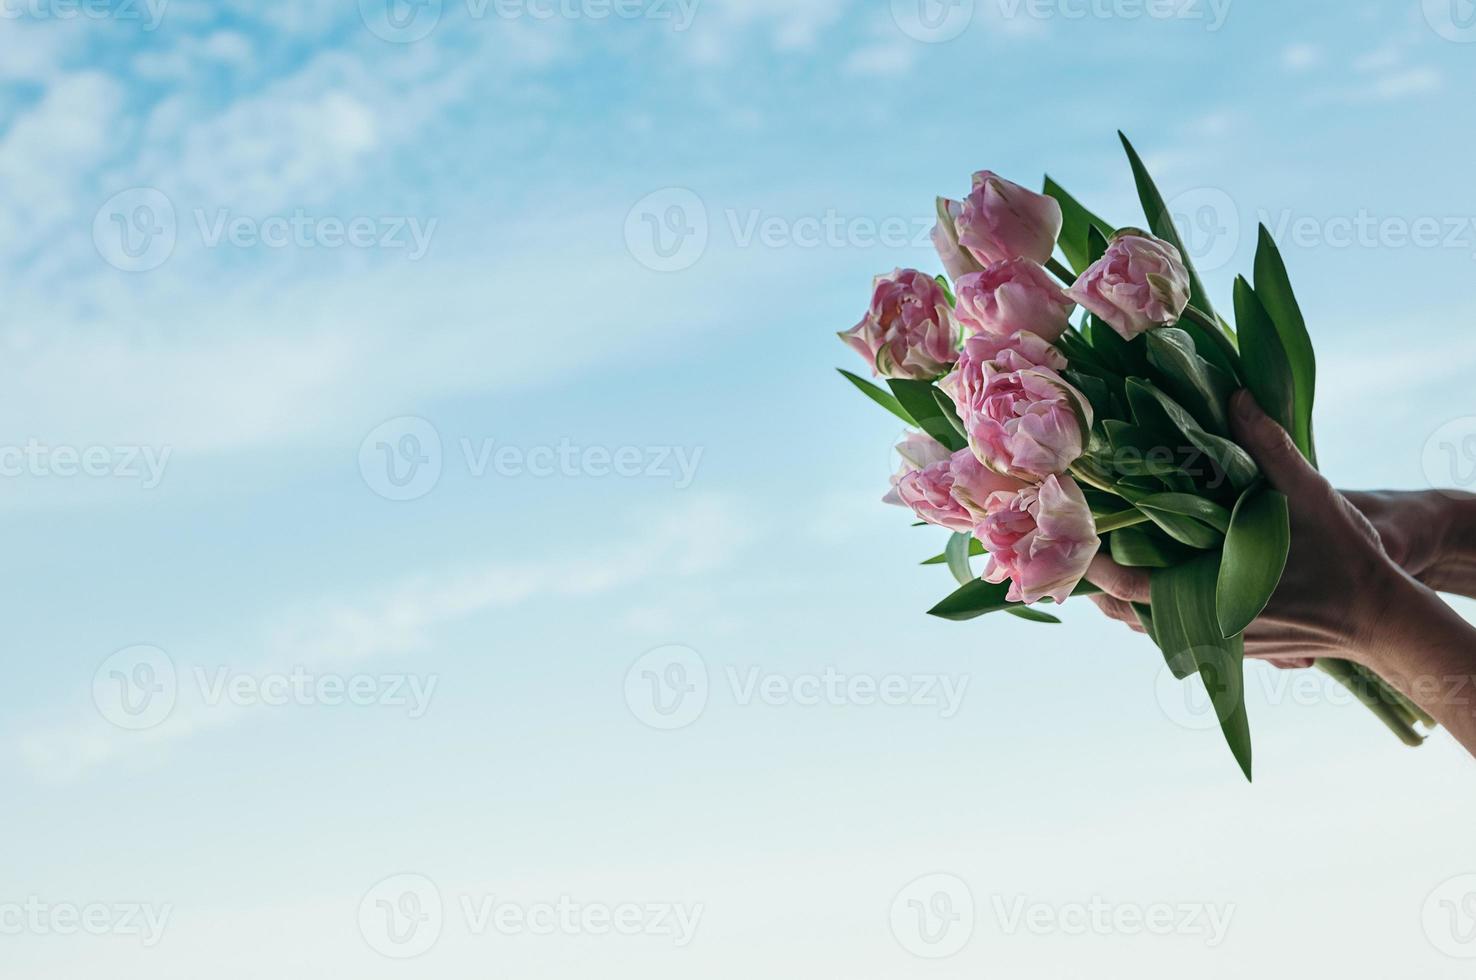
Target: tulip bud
[[1001, 220], [908, 332], [1139, 284]]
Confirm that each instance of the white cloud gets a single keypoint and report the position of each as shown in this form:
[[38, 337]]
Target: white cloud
[[48, 150], [1301, 57], [722, 27], [1403, 84], [35, 50]]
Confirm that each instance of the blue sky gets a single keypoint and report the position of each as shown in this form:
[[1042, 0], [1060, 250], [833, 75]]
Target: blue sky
[[259, 247]]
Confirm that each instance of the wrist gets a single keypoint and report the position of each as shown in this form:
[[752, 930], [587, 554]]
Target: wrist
[[1452, 516], [1398, 625]]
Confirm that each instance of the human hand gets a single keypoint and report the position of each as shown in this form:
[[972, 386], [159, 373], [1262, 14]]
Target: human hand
[[1338, 577]]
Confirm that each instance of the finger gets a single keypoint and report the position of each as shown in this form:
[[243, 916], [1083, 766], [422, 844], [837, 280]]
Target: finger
[[1113, 608], [1291, 663], [1274, 451], [1120, 611], [1127, 584]]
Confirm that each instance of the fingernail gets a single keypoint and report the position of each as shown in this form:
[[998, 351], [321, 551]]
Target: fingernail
[[1242, 405]]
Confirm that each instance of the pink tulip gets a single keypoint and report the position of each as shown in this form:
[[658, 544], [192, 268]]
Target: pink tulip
[[1017, 351], [951, 492], [1011, 296], [908, 332], [919, 451], [957, 261], [1141, 283], [974, 483], [1001, 220], [1022, 418], [1042, 539]]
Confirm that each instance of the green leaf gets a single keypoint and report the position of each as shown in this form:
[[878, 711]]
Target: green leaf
[[1096, 243], [978, 598], [1188, 505], [1156, 410], [1082, 354], [942, 282], [1125, 356], [1033, 615], [1162, 223], [1189, 634], [976, 548], [1145, 618], [958, 558], [1137, 451], [1141, 547], [1273, 286], [1096, 391], [1185, 529], [1075, 224], [1268, 373], [1199, 386], [1255, 558], [918, 401], [1213, 344], [881, 397], [950, 413]]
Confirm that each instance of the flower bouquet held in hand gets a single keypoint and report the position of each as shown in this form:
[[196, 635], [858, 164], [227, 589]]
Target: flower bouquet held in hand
[[1047, 445]]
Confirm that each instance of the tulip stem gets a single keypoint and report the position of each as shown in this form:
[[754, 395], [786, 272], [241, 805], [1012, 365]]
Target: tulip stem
[[1093, 477], [1060, 271], [1116, 522]]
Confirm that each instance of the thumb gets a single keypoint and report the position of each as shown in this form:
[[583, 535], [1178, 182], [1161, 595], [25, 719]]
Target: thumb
[[1274, 451]]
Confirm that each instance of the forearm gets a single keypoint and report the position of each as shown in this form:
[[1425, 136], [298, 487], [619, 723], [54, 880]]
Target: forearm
[[1454, 568], [1426, 650]]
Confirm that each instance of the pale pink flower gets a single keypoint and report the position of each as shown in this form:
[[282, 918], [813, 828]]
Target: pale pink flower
[[957, 260], [1139, 284], [1011, 296], [908, 332], [951, 491], [1021, 417], [1042, 539], [1000, 220]]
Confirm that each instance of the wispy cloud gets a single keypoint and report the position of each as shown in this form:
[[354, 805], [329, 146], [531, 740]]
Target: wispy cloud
[[401, 620]]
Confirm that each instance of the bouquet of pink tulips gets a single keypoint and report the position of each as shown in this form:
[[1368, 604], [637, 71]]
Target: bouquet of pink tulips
[[1041, 443]]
